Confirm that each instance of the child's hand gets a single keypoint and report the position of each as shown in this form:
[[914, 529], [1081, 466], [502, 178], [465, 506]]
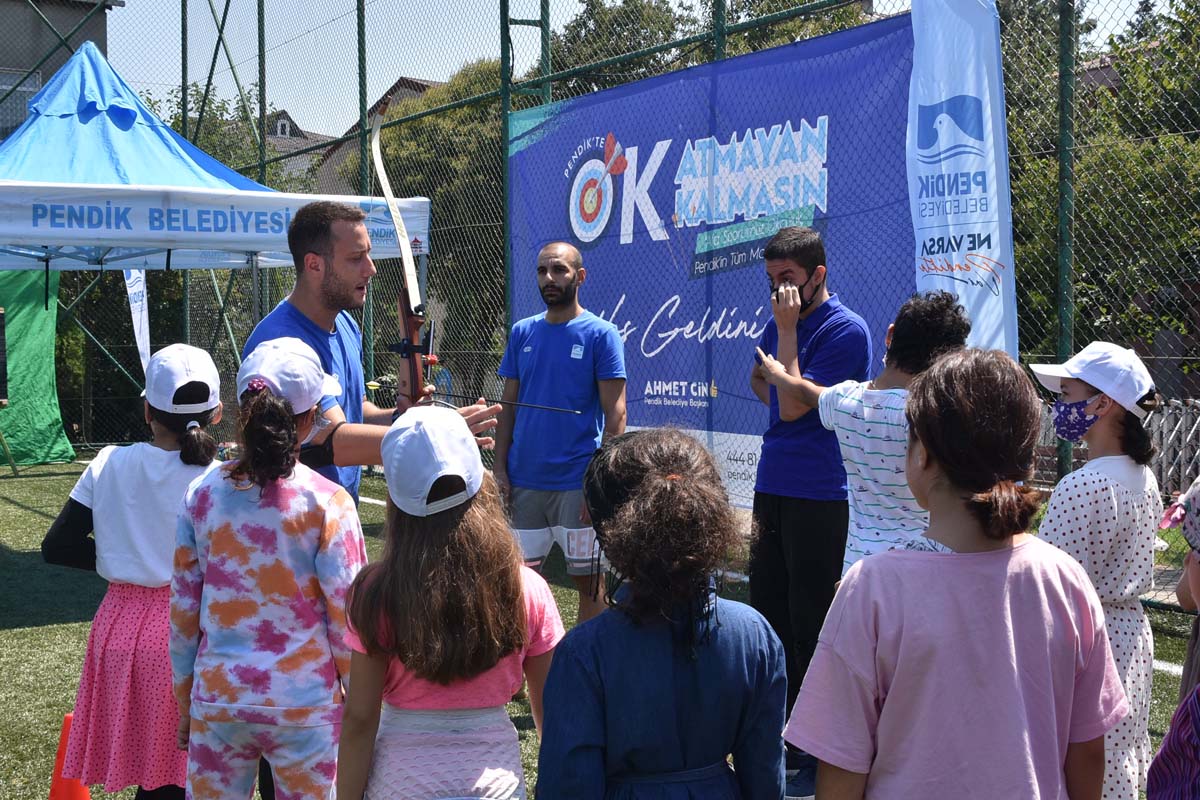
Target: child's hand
[[183, 731], [770, 369]]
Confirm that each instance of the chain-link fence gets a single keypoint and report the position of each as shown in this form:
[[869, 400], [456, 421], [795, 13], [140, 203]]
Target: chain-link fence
[[1103, 109]]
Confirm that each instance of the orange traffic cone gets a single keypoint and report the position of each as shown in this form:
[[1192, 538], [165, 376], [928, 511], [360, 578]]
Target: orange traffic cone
[[65, 788]]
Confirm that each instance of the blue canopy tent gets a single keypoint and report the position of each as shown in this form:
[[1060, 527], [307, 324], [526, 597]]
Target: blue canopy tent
[[94, 179]]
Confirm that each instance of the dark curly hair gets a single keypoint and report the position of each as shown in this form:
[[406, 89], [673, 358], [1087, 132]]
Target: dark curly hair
[[928, 325], [977, 414], [266, 439], [196, 445], [663, 518]]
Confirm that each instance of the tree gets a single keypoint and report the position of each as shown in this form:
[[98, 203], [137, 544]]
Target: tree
[[455, 159], [226, 135], [1144, 26], [602, 30]]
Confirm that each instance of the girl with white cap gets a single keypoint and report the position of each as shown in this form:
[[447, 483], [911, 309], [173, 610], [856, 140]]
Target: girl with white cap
[[266, 551], [1106, 515], [120, 522], [444, 627]]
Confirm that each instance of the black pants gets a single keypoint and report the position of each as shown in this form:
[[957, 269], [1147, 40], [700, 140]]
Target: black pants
[[795, 563]]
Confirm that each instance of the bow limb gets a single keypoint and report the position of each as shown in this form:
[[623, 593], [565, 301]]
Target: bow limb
[[410, 378]]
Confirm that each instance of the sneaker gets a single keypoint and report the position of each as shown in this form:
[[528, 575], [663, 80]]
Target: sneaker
[[802, 785]]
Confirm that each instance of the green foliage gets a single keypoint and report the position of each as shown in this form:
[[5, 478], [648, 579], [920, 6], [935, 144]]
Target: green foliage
[[796, 29], [454, 159], [602, 30], [227, 135]]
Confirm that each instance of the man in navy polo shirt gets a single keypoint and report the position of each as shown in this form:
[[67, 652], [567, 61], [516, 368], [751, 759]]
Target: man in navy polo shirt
[[800, 507]]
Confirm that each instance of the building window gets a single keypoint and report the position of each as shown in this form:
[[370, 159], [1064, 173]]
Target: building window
[[282, 128], [14, 110]]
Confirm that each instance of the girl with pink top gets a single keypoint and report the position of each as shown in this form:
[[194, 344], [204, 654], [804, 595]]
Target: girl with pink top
[[443, 628], [979, 668]]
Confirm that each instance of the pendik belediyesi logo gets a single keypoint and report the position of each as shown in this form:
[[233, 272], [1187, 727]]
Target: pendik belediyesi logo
[[952, 128]]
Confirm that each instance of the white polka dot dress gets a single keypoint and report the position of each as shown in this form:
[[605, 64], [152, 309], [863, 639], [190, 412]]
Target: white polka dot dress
[[1105, 515]]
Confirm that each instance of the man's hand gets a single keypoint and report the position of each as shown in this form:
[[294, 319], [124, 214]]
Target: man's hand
[[769, 368], [404, 403], [481, 418], [785, 305], [183, 732]]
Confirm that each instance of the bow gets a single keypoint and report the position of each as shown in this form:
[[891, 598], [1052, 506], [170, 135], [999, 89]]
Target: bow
[[414, 352]]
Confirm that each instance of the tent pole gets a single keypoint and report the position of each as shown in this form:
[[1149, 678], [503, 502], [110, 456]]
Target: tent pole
[[187, 305]]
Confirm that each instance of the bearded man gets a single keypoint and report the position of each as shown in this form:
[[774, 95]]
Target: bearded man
[[565, 357]]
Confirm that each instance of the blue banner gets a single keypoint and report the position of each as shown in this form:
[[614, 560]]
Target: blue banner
[[671, 187]]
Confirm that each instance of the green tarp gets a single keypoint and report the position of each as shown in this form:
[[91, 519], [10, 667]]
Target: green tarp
[[32, 423]]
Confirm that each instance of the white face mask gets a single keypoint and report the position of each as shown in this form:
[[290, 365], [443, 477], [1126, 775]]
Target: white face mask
[[320, 423]]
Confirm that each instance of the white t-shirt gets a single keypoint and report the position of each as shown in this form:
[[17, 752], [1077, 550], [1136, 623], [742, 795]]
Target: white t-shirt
[[873, 435], [135, 494]]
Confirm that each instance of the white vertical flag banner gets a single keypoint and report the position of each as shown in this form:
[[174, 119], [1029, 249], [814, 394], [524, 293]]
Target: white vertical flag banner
[[957, 151], [135, 287]]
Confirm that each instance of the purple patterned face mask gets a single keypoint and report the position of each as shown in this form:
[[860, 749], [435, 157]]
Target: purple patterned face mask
[[1070, 423]]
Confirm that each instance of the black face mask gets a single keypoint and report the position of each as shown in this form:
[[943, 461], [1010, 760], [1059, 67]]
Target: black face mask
[[804, 304]]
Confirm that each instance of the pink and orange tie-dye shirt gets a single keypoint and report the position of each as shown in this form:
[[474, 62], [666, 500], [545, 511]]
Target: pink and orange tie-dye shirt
[[258, 599]]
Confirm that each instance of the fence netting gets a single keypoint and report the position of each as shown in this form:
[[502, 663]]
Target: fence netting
[[287, 111]]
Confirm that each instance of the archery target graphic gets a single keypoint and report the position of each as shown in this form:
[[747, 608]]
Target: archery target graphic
[[591, 200]]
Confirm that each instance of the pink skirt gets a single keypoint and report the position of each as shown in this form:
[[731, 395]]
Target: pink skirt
[[123, 733]]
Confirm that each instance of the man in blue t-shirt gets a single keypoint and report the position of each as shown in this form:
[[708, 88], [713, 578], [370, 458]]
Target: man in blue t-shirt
[[565, 357], [800, 507], [332, 254]]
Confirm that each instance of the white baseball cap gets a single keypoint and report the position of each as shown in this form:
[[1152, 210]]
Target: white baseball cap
[[1116, 371], [426, 443], [291, 370], [174, 366]]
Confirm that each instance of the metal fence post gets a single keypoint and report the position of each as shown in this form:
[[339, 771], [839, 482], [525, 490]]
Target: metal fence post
[[505, 105], [546, 69], [1066, 197], [364, 184], [718, 19], [262, 92]]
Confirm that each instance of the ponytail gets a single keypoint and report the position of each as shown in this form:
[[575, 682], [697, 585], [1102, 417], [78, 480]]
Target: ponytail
[[1135, 439], [267, 438], [1004, 509], [196, 445]]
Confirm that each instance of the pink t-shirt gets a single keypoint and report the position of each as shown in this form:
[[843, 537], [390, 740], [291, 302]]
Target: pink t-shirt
[[960, 674], [495, 687]]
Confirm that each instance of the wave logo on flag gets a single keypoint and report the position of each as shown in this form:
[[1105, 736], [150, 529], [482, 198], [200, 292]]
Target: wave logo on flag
[[590, 202], [950, 129]]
